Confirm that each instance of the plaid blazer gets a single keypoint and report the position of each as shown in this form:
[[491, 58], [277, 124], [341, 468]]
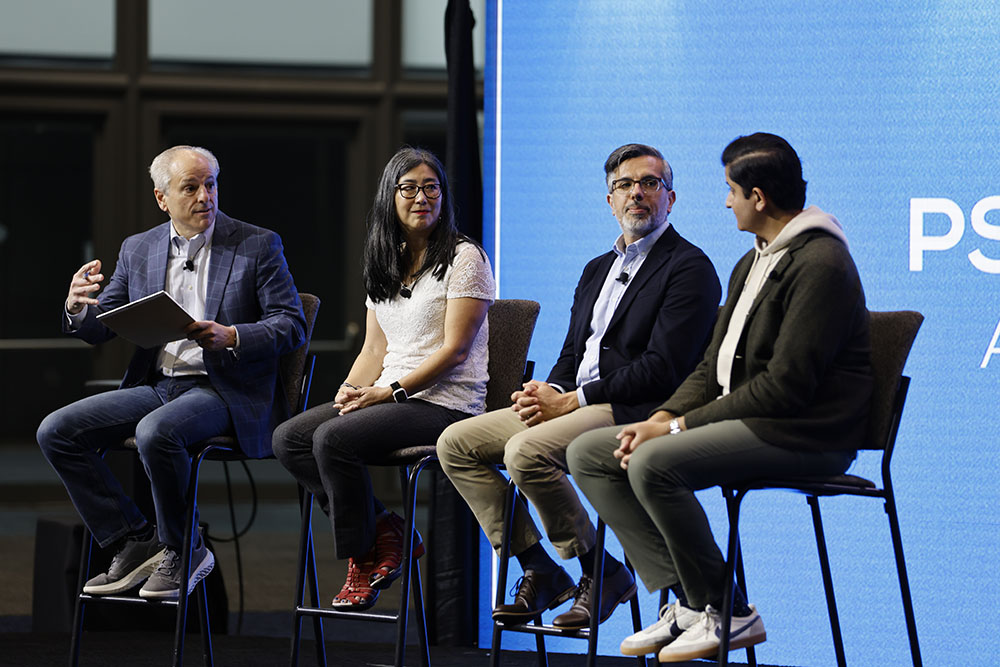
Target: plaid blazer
[[249, 286]]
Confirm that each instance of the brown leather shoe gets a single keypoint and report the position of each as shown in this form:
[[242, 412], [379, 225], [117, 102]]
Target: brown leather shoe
[[536, 592], [616, 589]]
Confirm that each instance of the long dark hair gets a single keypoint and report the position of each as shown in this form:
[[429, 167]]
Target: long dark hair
[[383, 264]]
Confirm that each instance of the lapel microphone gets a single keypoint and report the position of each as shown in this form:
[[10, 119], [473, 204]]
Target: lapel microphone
[[189, 265], [622, 278]]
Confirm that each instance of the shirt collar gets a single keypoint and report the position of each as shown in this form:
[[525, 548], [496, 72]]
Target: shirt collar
[[643, 245], [207, 234]]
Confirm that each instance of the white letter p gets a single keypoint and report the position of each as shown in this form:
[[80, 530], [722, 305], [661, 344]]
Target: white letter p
[[919, 207]]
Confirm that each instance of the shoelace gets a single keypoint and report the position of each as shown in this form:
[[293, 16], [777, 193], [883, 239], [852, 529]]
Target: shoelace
[[669, 612], [357, 576], [115, 561], [524, 587], [169, 563], [353, 575], [516, 587], [583, 588], [709, 623]]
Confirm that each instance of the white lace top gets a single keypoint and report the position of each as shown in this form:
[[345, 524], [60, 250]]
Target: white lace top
[[414, 329]]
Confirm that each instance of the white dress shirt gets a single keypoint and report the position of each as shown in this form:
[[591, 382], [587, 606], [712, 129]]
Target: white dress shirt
[[189, 289]]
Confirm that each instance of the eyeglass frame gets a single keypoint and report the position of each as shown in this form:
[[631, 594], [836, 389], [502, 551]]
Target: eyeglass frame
[[419, 188], [658, 179]]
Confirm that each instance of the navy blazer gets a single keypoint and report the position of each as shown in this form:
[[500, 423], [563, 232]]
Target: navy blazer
[[249, 286], [656, 335]]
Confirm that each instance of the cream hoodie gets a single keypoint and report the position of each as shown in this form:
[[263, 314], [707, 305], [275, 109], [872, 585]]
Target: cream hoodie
[[766, 257]]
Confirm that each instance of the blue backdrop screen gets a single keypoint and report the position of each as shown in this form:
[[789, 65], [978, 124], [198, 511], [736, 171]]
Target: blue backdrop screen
[[892, 107]]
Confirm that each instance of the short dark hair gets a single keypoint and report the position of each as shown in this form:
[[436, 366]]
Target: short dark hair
[[629, 151], [383, 264], [768, 162]]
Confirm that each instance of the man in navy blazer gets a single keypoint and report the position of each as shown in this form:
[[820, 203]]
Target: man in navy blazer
[[222, 380], [640, 318]]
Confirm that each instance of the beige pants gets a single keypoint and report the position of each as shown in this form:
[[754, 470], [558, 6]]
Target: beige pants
[[535, 459]]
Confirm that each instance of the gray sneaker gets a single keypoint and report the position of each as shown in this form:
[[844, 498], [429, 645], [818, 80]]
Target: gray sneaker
[[133, 563], [166, 580]]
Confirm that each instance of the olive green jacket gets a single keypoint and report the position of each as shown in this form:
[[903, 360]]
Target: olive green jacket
[[802, 375]]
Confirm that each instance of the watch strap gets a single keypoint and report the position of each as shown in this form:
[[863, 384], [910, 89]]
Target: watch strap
[[398, 392]]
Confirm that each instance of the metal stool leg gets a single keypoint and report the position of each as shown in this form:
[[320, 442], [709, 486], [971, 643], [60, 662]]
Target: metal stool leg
[[190, 540], [824, 564], [636, 612], [306, 575], [408, 565], [596, 592], [206, 632], [502, 570], [733, 500], [86, 546], [904, 582]]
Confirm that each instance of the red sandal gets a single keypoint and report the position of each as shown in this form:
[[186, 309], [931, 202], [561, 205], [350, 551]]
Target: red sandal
[[357, 593], [389, 538]]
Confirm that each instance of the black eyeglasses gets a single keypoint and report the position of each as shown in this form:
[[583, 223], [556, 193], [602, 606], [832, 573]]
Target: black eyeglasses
[[410, 190], [647, 183]]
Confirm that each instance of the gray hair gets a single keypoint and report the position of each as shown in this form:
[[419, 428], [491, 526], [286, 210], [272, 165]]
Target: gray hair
[[162, 165], [630, 151]]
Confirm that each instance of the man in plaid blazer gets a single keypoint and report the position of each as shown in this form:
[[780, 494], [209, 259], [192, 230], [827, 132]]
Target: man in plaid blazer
[[222, 380]]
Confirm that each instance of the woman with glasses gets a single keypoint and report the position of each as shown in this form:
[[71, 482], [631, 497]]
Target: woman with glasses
[[422, 366]]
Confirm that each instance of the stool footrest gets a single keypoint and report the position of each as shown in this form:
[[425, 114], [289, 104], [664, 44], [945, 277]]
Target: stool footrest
[[381, 617], [550, 630], [127, 599]]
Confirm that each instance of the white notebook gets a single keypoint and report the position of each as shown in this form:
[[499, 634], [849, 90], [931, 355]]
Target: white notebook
[[150, 321]]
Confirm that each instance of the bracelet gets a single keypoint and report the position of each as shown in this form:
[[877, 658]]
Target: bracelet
[[348, 384], [674, 427]]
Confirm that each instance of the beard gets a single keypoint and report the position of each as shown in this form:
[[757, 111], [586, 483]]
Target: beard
[[640, 226]]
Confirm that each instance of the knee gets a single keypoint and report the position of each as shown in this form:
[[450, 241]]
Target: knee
[[587, 454], [153, 436], [49, 431], [450, 447], [521, 457], [647, 473], [280, 442], [334, 443]]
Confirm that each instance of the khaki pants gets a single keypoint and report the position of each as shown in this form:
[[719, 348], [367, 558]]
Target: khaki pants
[[535, 459]]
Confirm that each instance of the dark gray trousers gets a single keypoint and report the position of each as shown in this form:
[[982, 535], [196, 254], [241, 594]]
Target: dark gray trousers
[[327, 453], [652, 508]]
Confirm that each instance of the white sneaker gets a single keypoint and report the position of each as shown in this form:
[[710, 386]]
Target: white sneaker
[[702, 639], [674, 620]]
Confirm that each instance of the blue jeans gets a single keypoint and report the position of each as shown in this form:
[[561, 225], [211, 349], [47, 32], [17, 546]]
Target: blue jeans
[[166, 417]]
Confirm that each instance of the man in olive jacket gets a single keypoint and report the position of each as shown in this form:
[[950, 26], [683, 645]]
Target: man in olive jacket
[[783, 389]]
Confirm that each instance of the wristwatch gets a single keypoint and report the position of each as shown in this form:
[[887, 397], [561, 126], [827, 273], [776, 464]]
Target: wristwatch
[[674, 427], [398, 393]]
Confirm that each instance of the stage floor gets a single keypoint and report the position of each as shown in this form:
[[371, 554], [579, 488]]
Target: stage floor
[[120, 649]]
